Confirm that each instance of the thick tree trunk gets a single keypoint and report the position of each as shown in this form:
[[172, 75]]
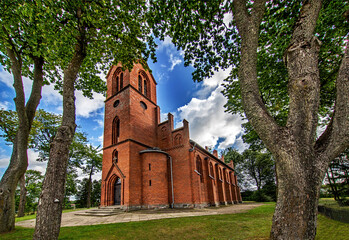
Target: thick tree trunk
[[48, 219], [7, 192], [23, 197], [298, 191]]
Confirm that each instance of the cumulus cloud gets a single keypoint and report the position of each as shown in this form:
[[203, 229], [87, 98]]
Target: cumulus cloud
[[209, 123], [85, 106], [33, 164], [50, 96]]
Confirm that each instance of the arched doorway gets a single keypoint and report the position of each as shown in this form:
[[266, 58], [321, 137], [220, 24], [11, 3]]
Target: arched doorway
[[117, 192]]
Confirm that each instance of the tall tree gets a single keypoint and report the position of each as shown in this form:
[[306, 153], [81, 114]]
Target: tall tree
[[259, 166], [92, 164], [82, 193], [22, 54], [90, 32], [286, 55], [33, 183]]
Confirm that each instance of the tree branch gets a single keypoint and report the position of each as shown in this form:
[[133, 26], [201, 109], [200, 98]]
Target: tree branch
[[256, 112], [35, 94], [335, 139]]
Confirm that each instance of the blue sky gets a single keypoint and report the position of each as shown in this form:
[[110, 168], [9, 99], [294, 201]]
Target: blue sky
[[200, 103]]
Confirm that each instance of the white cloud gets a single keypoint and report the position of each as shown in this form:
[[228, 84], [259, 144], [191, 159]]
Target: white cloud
[[4, 161], [174, 61], [49, 95], [85, 106], [164, 44], [210, 84], [100, 123], [6, 78], [207, 119], [100, 139], [36, 165], [33, 164], [174, 56], [4, 105]]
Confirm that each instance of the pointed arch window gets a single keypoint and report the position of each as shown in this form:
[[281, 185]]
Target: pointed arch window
[[145, 88], [220, 174], [121, 81], [211, 170], [139, 83], [115, 130], [199, 167], [118, 81], [143, 84]]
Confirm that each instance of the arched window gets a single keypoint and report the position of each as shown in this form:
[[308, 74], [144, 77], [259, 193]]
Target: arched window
[[140, 83], [143, 84], [118, 80], [121, 81], [220, 173], [164, 132], [145, 88], [199, 167], [115, 130], [178, 139], [115, 156], [211, 170], [117, 83]]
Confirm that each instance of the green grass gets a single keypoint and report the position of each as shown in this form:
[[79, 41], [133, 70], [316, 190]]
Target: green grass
[[33, 216], [255, 224]]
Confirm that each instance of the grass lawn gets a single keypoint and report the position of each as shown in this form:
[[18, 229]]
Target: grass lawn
[[254, 224]]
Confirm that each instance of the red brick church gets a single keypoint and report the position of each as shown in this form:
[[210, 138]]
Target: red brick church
[[148, 163]]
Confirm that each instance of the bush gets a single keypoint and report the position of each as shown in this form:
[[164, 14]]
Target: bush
[[260, 196]]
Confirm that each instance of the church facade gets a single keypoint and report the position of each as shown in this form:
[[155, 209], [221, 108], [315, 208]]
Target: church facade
[[148, 163]]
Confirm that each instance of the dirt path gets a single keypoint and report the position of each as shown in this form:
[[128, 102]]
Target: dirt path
[[70, 219]]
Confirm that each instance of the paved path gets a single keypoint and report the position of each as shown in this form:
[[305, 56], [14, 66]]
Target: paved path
[[70, 219]]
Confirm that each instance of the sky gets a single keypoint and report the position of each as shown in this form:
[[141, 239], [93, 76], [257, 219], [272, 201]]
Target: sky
[[202, 104]]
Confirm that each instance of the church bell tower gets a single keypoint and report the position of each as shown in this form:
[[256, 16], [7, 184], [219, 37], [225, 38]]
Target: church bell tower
[[130, 126]]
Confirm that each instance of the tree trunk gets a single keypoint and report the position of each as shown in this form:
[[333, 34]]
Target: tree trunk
[[298, 191], [333, 185], [7, 189], [89, 189], [48, 219], [23, 197]]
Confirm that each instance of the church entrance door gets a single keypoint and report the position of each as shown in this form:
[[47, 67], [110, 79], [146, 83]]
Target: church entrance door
[[117, 192]]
